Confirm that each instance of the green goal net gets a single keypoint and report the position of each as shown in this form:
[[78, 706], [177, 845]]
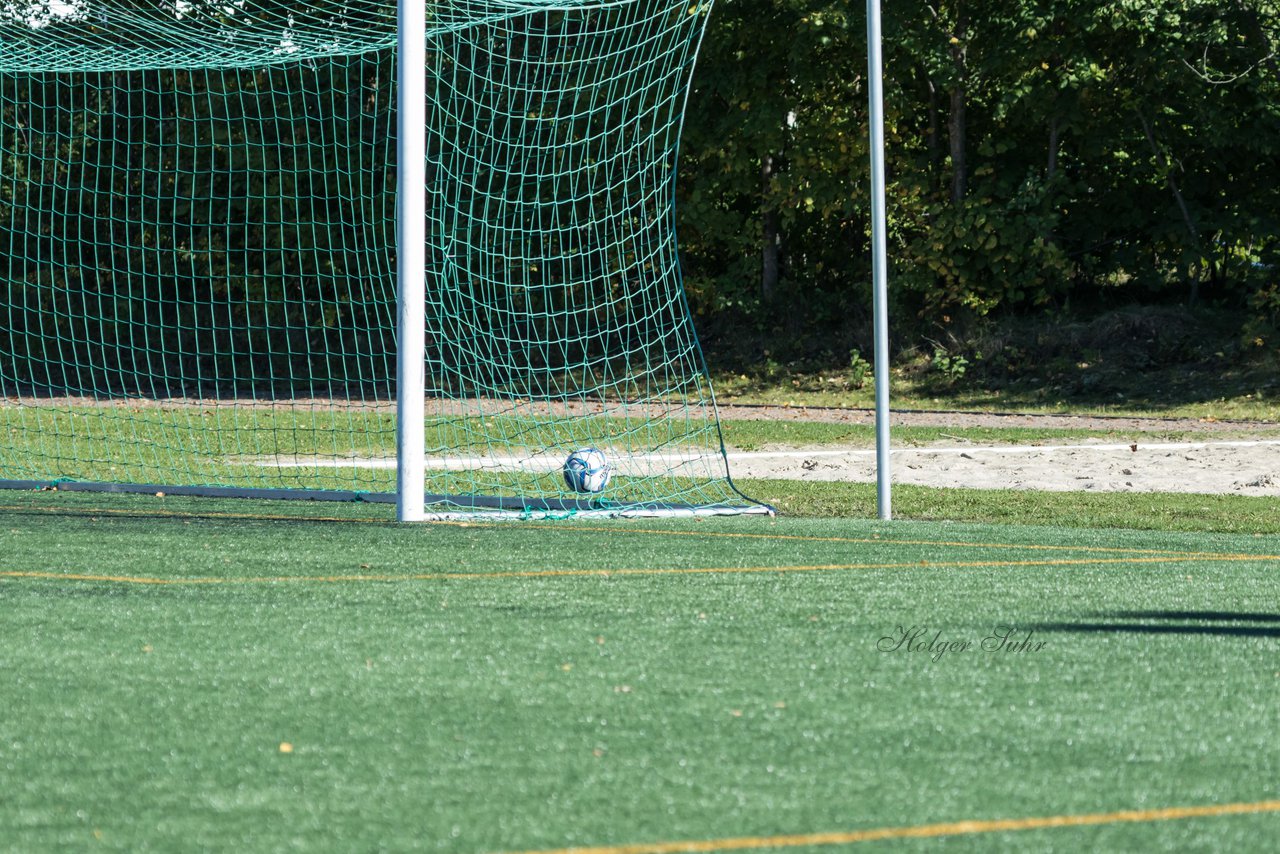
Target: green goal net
[[199, 260]]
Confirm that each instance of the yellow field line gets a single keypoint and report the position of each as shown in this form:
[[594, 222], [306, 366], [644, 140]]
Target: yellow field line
[[608, 573], [629, 530], [883, 541], [924, 831]]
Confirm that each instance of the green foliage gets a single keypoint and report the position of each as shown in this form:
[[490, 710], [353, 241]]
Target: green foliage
[[859, 369], [952, 367], [136, 201], [1040, 154], [1264, 329], [984, 253]]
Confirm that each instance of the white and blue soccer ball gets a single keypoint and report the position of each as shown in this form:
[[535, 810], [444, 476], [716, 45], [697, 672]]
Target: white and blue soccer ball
[[587, 470]]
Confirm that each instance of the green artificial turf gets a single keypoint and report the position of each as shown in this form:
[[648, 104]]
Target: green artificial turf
[[1244, 514], [491, 687]]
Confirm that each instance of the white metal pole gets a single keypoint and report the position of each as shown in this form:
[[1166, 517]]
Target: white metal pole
[[879, 258], [411, 100]]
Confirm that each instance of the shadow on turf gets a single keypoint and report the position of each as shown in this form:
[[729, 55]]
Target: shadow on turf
[[1224, 623], [1220, 616]]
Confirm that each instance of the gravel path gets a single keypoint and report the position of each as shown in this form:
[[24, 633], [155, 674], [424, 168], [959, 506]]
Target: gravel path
[[1233, 457]]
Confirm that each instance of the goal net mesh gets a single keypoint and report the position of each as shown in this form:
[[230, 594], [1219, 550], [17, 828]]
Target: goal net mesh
[[199, 254]]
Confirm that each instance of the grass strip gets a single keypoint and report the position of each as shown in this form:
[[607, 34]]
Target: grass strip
[[750, 435], [1189, 512], [1160, 511]]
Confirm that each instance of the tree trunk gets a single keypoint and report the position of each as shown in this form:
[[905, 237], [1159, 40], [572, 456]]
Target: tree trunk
[[934, 134], [956, 128], [770, 239], [956, 124], [1051, 169], [1187, 219]]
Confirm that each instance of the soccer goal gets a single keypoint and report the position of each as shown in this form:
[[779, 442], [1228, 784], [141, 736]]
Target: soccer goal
[[200, 288]]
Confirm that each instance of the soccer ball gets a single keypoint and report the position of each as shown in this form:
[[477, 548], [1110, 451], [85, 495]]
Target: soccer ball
[[587, 470]]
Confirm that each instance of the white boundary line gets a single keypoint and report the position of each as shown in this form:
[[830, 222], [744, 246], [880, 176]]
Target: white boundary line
[[543, 461]]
